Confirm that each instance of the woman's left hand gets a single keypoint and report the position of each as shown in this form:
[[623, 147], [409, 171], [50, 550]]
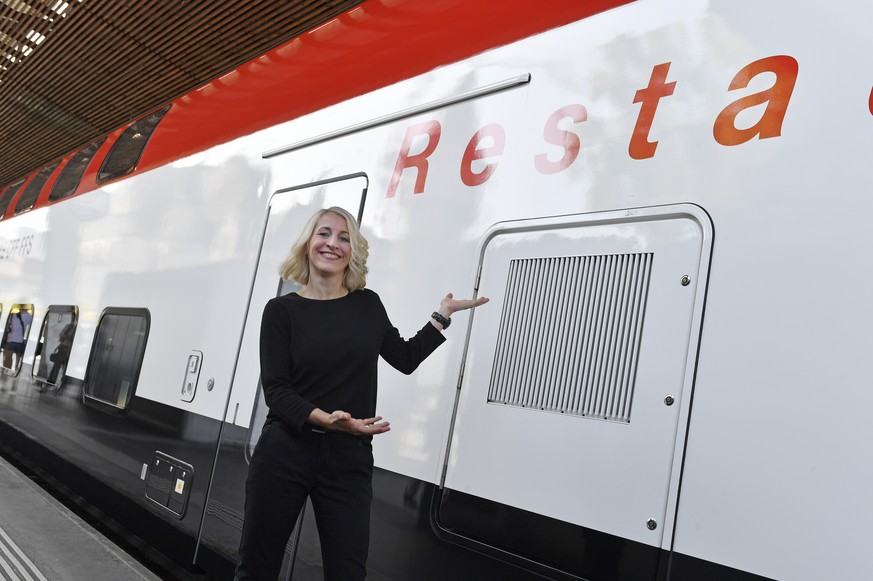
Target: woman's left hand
[[449, 305]]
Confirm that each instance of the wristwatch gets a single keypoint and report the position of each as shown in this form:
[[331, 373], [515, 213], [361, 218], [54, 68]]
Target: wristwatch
[[444, 321]]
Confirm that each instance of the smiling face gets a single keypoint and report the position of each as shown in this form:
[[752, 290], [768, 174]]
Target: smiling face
[[330, 246]]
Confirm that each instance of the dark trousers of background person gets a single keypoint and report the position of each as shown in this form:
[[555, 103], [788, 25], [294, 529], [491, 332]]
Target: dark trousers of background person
[[12, 348], [336, 471]]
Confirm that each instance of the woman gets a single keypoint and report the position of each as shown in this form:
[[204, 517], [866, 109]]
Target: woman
[[319, 354]]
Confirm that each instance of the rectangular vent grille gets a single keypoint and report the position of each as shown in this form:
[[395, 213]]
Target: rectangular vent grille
[[569, 334]]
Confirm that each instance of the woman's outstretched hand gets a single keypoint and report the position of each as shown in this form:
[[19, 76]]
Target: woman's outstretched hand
[[344, 422], [450, 305]]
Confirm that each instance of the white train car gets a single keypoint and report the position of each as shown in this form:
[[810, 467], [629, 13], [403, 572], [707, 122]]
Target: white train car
[[666, 201]]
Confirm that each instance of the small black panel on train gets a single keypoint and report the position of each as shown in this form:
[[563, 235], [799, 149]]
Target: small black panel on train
[[169, 483]]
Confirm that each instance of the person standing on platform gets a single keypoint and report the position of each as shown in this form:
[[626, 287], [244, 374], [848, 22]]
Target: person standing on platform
[[16, 334], [319, 354]]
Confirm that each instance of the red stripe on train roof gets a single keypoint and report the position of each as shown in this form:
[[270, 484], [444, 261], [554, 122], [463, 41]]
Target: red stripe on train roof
[[375, 44]]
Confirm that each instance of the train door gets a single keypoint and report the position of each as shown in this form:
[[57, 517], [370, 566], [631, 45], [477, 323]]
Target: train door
[[569, 424], [246, 412]]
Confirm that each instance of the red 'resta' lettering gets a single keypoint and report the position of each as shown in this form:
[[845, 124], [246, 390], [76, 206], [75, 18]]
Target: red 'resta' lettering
[[496, 132], [640, 147], [432, 129], [568, 140], [770, 125]]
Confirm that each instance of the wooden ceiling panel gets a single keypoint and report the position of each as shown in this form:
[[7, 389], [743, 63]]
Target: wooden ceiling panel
[[71, 71]]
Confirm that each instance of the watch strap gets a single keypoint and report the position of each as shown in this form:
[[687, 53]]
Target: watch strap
[[444, 321]]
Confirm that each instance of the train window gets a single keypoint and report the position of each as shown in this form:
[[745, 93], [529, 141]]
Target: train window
[[116, 358], [8, 195], [72, 173], [54, 344], [31, 192], [15, 337], [125, 153]]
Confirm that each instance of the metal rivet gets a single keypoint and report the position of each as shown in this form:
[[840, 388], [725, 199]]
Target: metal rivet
[[686, 280], [210, 384], [669, 400], [651, 524]]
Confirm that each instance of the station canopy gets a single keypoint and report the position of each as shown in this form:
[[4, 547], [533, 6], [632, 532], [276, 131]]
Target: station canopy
[[72, 71]]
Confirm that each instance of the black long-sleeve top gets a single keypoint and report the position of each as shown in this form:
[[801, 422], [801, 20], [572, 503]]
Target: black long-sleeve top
[[324, 354]]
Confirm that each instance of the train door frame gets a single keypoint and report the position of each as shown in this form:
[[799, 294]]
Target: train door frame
[[492, 455], [288, 210]]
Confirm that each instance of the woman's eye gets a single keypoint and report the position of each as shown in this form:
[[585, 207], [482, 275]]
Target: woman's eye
[[323, 234], [344, 238]]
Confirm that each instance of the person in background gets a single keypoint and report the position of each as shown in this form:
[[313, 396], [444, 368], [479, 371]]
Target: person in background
[[319, 350], [16, 335], [61, 355]]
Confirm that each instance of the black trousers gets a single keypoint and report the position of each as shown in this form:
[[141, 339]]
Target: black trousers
[[336, 472]]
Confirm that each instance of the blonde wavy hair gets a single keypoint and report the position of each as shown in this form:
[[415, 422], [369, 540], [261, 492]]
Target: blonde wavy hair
[[296, 266]]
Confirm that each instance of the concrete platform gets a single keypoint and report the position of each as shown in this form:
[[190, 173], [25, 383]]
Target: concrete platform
[[42, 540]]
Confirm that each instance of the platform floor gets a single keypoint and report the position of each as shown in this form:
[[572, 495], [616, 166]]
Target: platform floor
[[42, 540]]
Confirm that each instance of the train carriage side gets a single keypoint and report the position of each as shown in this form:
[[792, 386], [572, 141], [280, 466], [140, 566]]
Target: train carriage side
[[650, 196], [696, 153]]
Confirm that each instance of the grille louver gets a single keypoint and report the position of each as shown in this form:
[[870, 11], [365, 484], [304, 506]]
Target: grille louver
[[570, 333]]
